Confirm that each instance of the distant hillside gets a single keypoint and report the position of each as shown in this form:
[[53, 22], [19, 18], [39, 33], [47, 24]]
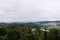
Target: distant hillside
[[51, 24], [41, 24]]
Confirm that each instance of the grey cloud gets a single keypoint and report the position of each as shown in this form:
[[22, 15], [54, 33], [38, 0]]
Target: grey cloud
[[29, 10]]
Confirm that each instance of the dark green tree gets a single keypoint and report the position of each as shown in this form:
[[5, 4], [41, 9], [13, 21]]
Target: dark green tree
[[53, 34]]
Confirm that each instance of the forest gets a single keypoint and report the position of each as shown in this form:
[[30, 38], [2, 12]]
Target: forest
[[22, 32]]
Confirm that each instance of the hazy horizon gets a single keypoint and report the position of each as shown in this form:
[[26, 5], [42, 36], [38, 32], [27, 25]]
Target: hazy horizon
[[29, 10]]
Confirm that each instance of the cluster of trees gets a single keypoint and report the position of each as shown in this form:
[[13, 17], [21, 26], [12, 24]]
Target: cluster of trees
[[26, 33]]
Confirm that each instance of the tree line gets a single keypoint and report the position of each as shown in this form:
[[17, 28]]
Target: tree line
[[26, 33]]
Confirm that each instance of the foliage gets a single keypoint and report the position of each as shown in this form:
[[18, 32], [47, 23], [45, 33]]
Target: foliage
[[16, 32], [53, 34]]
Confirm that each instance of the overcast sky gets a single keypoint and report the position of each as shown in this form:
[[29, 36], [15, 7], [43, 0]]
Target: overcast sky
[[29, 10]]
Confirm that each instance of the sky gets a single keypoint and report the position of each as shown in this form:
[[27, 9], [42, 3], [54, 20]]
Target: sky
[[29, 10]]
